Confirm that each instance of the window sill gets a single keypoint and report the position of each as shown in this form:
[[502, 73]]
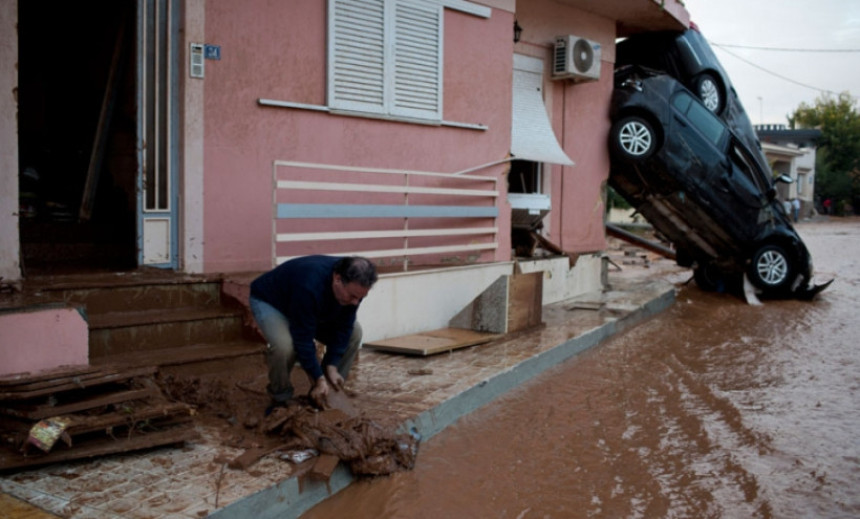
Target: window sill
[[320, 108]]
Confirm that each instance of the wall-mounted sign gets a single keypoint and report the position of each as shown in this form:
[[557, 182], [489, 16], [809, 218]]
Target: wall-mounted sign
[[213, 52]]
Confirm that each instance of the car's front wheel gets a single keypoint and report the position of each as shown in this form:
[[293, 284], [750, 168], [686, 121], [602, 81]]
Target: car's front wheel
[[634, 137], [709, 91], [771, 269]]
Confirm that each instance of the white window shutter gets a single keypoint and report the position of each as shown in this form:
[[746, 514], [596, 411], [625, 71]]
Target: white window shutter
[[356, 62], [416, 67]]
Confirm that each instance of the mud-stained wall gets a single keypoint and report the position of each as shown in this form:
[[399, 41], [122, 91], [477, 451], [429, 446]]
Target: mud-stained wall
[[10, 267]]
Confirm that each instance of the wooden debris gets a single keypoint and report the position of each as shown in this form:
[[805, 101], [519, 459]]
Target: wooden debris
[[106, 410], [251, 456], [324, 467], [432, 342]]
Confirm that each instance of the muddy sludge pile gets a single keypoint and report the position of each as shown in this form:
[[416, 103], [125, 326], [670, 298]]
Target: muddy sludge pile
[[365, 446], [313, 440]]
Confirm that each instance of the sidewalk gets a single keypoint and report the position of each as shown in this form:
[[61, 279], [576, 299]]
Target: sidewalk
[[428, 393]]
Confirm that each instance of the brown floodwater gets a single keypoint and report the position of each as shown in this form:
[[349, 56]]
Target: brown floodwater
[[714, 408]]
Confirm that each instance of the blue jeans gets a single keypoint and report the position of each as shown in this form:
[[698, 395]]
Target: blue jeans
[[281, 354]]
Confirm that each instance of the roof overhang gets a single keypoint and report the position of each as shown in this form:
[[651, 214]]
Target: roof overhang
[[781, 151], [634, 16]]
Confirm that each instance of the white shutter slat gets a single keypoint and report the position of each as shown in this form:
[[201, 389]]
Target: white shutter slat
[[417, 67], [357, 55]]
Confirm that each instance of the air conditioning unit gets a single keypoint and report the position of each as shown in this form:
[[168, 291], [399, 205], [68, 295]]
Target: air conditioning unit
[[576, 58]]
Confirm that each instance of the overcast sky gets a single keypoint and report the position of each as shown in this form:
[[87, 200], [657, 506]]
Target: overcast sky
[[784, 24]]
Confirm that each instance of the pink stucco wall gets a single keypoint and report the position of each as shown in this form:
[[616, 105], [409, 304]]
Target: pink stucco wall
[[579, 112], [283, 58], [42, 339]]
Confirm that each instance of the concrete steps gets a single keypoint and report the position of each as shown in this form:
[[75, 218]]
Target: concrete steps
[[152, 317]]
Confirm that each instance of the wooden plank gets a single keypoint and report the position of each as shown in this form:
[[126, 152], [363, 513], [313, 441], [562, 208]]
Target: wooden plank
[[108, 375], [44, 411], [525, 301], [253, 455], [100, 448], [433, 342], [324, 467], [103, 127], [84, 425], [18, 379], [14, 508]]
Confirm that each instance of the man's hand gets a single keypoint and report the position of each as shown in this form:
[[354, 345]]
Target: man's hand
[[334, 378], [319, 393]]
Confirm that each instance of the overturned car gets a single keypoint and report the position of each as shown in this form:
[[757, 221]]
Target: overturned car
[[700, 185]]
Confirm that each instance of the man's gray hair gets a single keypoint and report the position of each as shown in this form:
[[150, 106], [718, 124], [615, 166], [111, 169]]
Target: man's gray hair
[[356, 269]]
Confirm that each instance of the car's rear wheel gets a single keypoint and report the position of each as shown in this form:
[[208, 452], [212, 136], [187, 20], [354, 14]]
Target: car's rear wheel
[[709, 91], [771, 269], [634, 137]]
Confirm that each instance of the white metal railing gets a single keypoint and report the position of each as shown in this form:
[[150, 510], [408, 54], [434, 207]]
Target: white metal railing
[[457, 212]]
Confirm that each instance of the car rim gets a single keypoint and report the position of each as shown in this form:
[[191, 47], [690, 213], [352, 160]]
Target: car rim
[[635, 138], [772, 267], [710, 95]]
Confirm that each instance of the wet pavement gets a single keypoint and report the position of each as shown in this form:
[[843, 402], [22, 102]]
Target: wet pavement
[[428, 394], [714, 408]]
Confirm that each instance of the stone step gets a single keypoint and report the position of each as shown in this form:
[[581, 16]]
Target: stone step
[[132, 290], [124, 332], [195, 353]]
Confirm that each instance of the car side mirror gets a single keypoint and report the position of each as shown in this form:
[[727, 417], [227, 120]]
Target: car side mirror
[[785, 179]]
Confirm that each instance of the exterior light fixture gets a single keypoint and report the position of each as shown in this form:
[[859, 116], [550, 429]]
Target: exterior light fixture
[[518, 31]]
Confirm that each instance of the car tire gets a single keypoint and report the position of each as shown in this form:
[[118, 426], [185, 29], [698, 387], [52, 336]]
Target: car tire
[[634, 138], [771, 269], [710, 92]]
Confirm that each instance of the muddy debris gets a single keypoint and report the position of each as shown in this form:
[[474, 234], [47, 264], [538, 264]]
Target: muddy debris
[[367, 446]]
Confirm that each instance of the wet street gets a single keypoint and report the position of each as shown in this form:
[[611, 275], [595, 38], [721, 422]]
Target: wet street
[[712, 409]]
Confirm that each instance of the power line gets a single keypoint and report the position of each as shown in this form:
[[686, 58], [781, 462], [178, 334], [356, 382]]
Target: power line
[[781, 49], [780, 76]]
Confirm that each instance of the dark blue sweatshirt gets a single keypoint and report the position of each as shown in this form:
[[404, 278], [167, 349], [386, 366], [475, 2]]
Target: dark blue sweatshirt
[[301, 289]]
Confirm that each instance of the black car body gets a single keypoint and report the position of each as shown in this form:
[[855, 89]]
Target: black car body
[[686, 56], [701, 186]]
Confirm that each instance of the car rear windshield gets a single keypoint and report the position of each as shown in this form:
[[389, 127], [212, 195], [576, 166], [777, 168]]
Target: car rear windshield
[[700, 117]]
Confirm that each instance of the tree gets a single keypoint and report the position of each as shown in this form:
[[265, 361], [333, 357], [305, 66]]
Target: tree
[[837, 161]]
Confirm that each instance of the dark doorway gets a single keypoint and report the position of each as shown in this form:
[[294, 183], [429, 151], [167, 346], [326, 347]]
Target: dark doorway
[[77, 135]]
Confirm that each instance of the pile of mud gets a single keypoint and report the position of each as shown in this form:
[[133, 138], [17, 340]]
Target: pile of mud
[[367, 446]]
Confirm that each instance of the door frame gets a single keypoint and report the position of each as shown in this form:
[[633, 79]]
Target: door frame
[[158, 51]]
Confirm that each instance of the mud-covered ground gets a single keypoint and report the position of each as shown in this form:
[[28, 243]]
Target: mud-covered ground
[[714, 408]]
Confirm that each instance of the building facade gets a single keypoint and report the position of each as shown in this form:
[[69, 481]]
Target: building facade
[[224, 137]]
